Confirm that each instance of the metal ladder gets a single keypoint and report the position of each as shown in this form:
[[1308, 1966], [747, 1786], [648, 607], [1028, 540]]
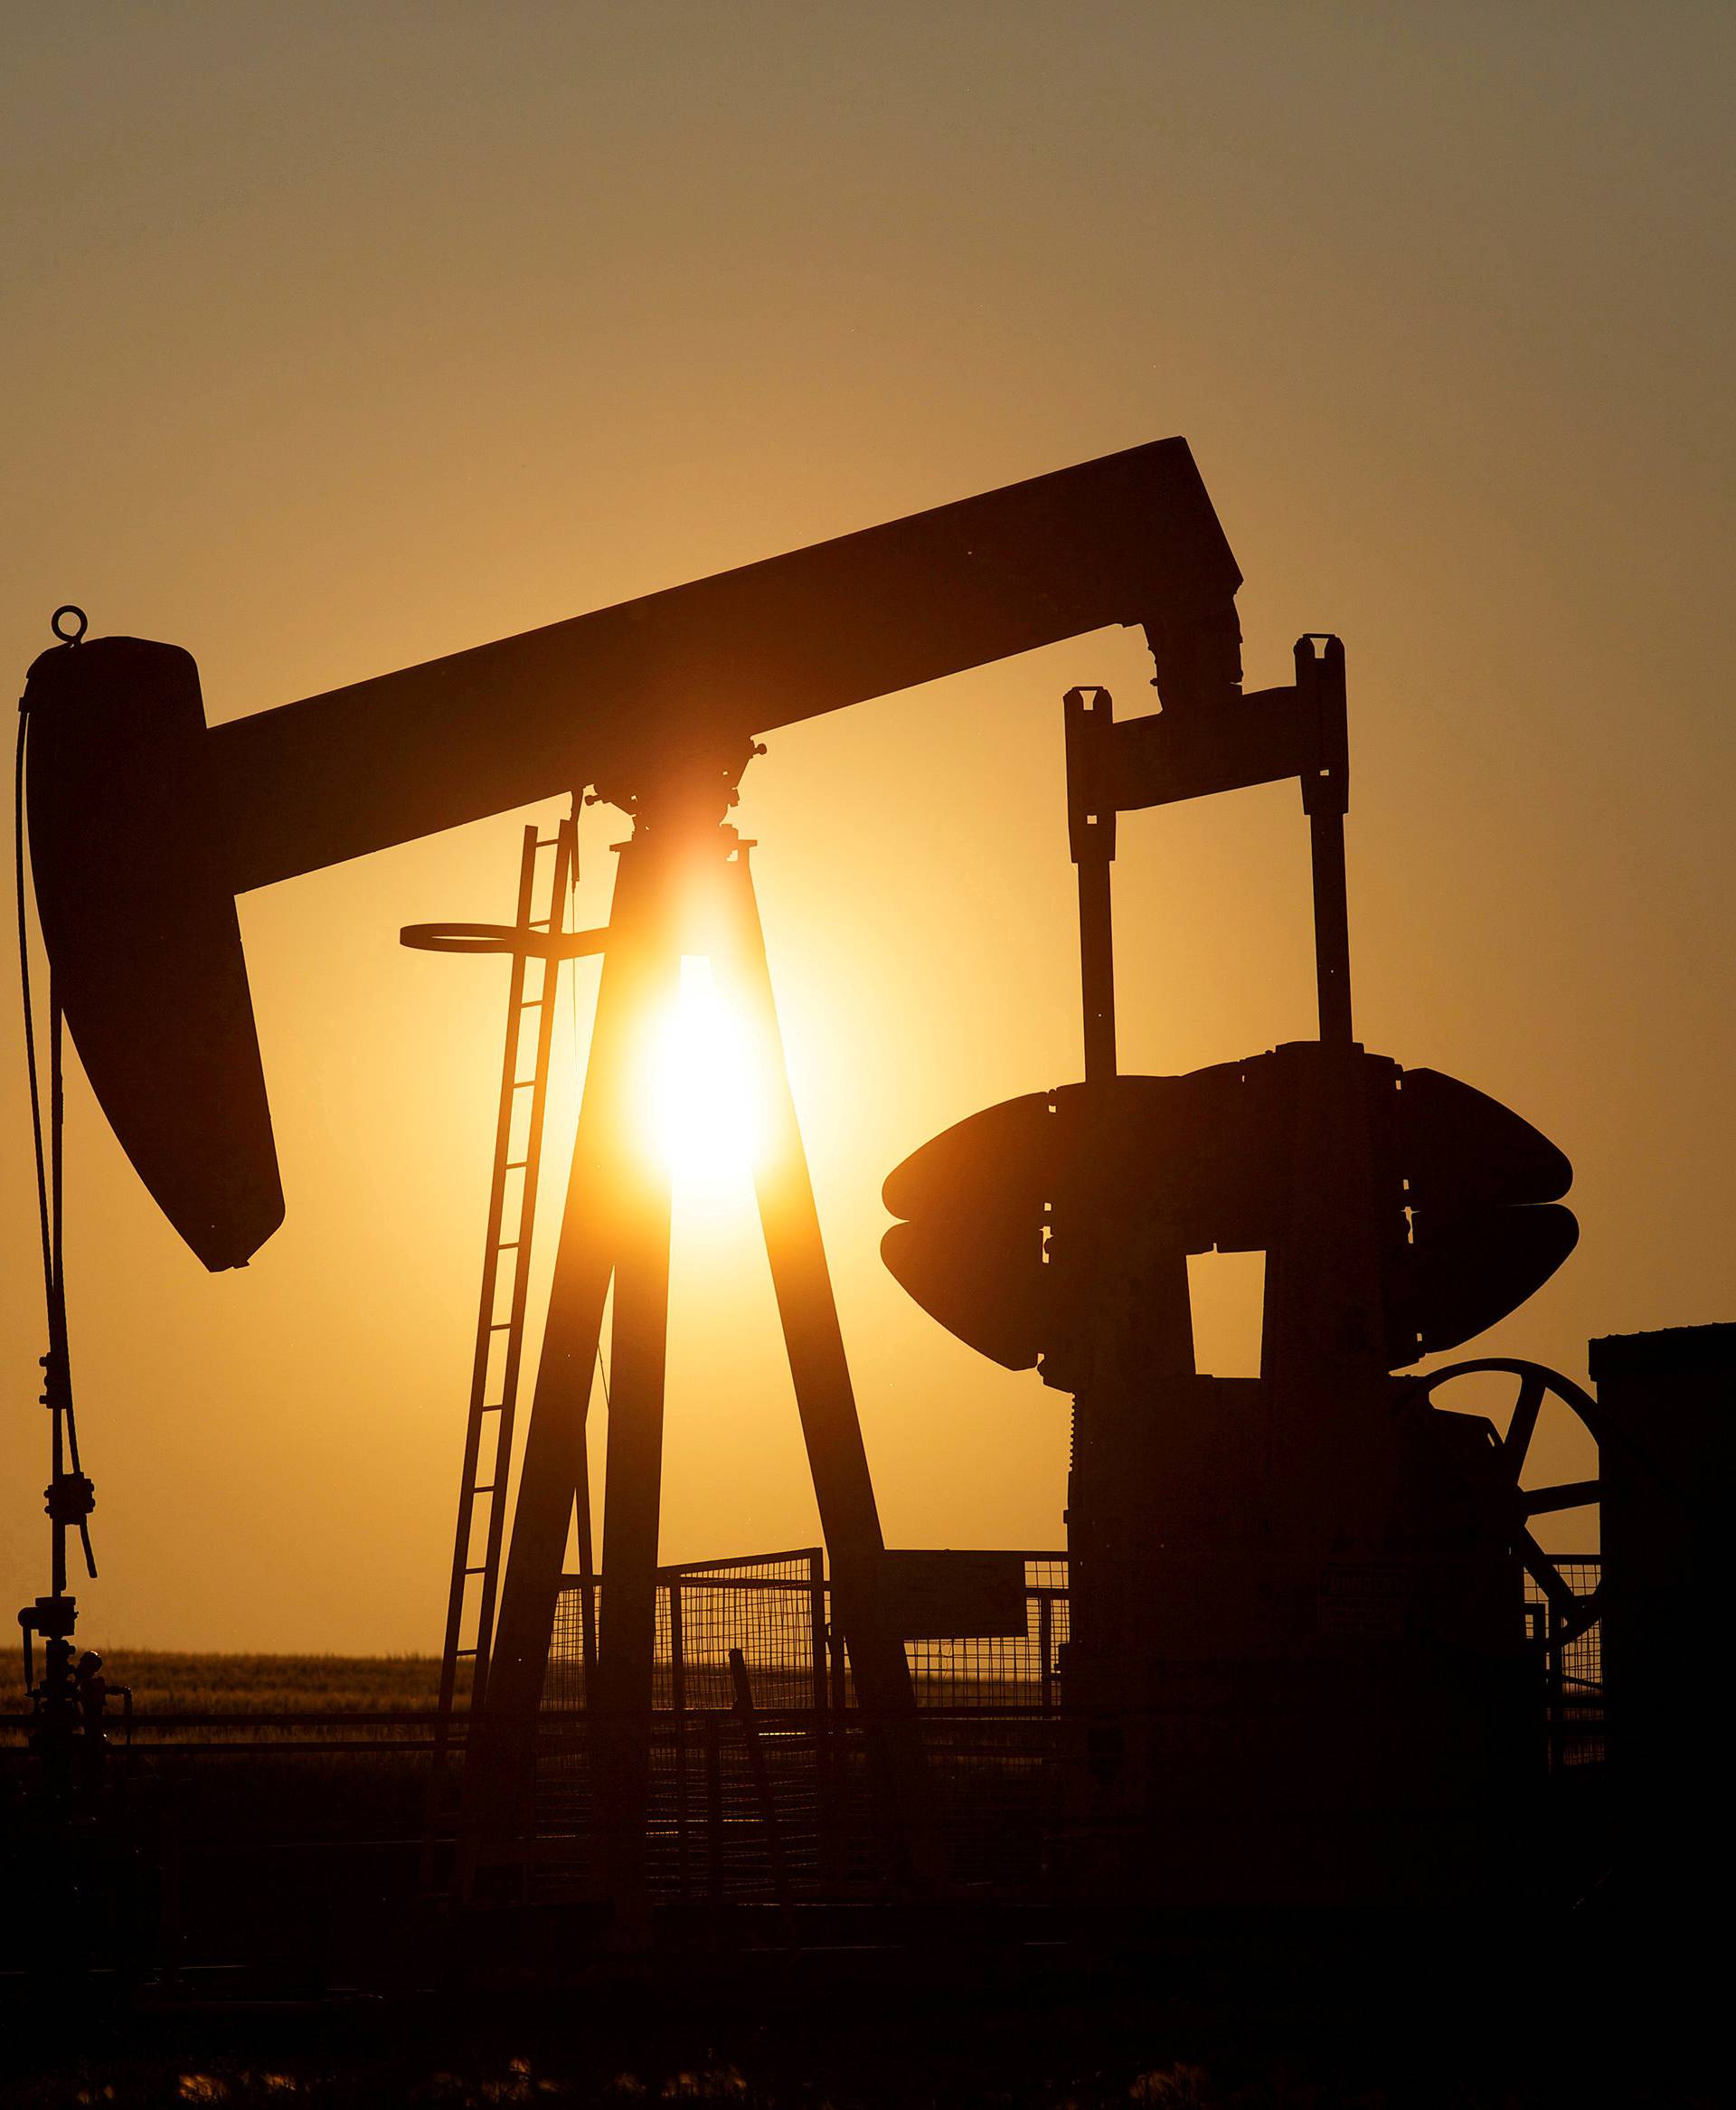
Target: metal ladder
[[500, 1316]]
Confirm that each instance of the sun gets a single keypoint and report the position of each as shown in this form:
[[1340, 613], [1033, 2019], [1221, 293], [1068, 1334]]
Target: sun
[[705, 1114]]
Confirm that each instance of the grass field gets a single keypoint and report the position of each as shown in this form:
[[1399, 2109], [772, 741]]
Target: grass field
[[280, 1786], [166, 1682]]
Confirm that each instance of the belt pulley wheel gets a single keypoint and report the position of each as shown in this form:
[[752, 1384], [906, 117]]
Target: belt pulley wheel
[[1570, 1613]]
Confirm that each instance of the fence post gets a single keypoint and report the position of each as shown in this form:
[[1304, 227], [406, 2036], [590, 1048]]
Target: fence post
[[713, 1810], [1046, 1649], [1555, 1663], [678, 1707], [840, 1688], [588, 1630], [760, 1775], [817, 1631]]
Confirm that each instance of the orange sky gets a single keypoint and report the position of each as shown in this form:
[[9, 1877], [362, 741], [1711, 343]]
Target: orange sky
[[339, 337]]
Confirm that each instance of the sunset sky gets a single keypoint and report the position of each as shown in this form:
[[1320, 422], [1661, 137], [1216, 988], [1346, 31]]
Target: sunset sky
[[340, 337]]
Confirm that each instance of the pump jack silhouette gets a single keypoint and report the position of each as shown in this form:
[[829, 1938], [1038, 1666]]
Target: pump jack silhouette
[[658, 704]]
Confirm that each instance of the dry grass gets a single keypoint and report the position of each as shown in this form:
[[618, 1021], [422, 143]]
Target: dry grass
[[287, 1783], [167, 1681]]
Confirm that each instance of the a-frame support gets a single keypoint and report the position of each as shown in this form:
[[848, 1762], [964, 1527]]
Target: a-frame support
[[683, 887]]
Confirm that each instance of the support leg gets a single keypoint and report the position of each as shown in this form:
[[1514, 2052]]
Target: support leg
[[632, 1506], [498, 1776], [825, 1397]]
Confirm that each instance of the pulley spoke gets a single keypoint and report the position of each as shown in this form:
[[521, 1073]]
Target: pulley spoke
[[1572, 1494], [1523, 1424], [1541, 1569]]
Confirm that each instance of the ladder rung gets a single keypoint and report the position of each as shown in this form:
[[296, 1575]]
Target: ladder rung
[[541, 1000]]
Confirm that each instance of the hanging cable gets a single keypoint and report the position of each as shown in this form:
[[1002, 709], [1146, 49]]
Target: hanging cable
[[70, 1496], [30, 1026], [82, 1494]]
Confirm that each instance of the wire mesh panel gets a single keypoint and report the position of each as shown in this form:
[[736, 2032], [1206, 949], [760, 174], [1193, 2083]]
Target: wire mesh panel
[[773, 1608], [739, 1808], [564, 1786], [739, 1803], [790, 1793], [996, 1780], [1574, 1668], [575, 1617], [780, 1794], [720, 1818]]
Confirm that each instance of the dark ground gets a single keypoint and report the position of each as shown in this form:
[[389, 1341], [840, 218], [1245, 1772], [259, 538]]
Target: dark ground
[[311, 1858], [1507, 2023]]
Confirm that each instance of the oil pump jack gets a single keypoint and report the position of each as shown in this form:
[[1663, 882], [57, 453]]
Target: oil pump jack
[[1072, 1252]]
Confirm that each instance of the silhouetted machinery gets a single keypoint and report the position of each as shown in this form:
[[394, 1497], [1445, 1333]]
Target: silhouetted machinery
[[1298, 1653], [1298, 1658]]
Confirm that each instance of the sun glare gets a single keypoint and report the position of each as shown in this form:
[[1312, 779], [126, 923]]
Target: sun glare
[[703, 1105]]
